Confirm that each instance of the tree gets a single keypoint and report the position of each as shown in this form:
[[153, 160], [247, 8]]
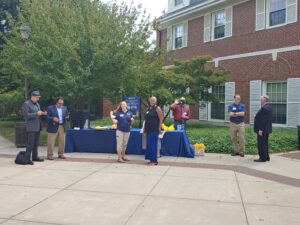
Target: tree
[[7, 7], [199, 78], [79, 49]]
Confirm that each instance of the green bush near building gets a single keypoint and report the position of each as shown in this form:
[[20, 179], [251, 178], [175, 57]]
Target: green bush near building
[[215, 137]]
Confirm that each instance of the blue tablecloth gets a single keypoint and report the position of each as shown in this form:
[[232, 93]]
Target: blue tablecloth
[[174, 143]]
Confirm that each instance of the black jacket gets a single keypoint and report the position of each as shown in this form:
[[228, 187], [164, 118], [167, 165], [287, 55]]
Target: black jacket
[[263, 119]]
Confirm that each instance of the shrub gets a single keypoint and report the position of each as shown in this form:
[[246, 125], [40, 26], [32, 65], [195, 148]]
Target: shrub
[[217, 139]]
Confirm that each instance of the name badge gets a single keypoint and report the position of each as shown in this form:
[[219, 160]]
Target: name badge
[[233, 108]]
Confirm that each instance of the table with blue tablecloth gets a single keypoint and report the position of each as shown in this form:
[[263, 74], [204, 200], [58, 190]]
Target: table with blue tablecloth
[[173, 143]]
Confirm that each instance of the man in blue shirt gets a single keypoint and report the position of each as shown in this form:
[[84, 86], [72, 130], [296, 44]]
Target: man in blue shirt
[[237, 126]]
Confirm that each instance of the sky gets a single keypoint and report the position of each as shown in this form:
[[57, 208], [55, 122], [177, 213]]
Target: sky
[[154, 7]]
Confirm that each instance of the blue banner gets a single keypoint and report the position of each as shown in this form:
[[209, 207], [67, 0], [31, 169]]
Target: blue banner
[[133, 104]]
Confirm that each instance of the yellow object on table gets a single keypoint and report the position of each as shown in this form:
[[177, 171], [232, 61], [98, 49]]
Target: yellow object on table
[[165, 127], [101, 128]]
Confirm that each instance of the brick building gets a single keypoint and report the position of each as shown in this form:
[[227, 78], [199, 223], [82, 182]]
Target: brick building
[[257, 41]]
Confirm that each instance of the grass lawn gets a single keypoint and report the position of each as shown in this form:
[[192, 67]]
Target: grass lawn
[[216, 138]]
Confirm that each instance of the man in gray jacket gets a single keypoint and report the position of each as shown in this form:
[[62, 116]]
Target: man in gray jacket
[[32, 114]]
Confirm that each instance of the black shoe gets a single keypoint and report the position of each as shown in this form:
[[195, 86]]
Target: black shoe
[[268, 159], [30, 162], [38, 160], [259, 160], [235, 153], [242, 154]]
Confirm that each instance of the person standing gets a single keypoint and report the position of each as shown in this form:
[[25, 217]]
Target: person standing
[[153, 122], [237, 126], [123, 118], [32, 114], [263, 127], [181, 112], [56, 116]]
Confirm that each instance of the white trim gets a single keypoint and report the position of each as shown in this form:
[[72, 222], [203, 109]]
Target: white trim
[[252, 54], [262, 13], [213, 24], [254, 98], [274, 56], [267, 8], [264, 92], [184, 37]]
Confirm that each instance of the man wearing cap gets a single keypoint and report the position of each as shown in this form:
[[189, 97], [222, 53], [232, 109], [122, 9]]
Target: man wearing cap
[[181, 112], [32, 114], [56, 116]]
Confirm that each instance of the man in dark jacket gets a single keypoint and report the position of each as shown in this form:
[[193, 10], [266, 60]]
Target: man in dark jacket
[[263, 127], [32, 114], [56, 116]]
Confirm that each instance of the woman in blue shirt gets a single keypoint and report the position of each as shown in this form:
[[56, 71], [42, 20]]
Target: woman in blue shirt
[[123, 118]]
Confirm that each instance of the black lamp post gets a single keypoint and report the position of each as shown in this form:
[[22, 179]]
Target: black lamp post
[[25, 30]]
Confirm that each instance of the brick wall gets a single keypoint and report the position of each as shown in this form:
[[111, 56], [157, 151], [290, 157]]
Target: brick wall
[[245, 39], [108, 106], [243, 70]]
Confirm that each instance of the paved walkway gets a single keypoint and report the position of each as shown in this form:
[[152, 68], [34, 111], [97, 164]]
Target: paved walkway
[[90, 188]]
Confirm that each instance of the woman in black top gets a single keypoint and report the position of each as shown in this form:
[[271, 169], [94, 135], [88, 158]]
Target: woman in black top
[[153, 122]]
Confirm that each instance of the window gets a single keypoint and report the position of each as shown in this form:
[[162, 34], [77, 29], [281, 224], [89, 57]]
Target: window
[[277, 12], [178, 2], [178, 36], [277, 92], [218, 109], [274, 13], [219, 20], [218, 25]]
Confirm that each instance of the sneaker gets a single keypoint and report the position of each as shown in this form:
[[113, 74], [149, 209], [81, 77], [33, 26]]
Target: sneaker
[[235, 153], [120, 161]]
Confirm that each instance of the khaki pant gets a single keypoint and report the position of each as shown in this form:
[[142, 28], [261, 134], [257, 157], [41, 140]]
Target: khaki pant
[[122, 140], [52, 139], [235, 131]]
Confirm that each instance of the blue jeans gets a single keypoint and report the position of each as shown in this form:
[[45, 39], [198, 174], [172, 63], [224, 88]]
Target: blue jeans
[[179, 122]]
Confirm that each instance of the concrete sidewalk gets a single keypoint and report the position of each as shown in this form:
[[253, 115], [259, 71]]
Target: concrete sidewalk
[[90, 188]]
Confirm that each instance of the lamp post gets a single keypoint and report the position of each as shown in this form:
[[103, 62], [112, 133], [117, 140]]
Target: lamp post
[[24, 31]]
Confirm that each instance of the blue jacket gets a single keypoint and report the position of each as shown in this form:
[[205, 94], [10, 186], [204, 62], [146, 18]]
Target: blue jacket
[[51, 113]]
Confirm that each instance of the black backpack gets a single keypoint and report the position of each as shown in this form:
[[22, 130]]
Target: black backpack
[[22, 158]]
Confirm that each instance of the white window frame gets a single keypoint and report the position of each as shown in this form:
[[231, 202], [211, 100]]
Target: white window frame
[[213, 20], [267, 2], [264, 91], [174, 36], [184, 35], [210, 106], [179, 4], [209, 25]]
